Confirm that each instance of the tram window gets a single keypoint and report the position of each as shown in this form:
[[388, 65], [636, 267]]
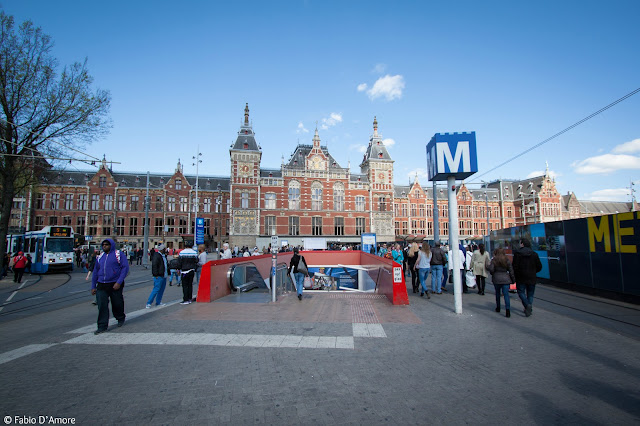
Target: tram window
[[32, 245], [59, 245]]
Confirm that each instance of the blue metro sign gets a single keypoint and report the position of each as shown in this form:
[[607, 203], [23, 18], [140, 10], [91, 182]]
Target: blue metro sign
[[452, 154]]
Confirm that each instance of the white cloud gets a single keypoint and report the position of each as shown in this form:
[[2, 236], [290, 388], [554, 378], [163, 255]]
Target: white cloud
[[389, 142], [537, 173], [423, 176], [606, 163], [615, 194], [390, 87], [362, 87], [627, 147], [379, 68], [333, 119], [301, 128], [357, 147]]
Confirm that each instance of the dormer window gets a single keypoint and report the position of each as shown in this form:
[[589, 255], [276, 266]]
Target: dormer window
[[245, 145], [379, 155], [137, 179], [161, 181], [270, 174], [178, 183]]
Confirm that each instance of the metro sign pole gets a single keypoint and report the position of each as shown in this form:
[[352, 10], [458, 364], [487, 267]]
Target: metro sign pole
[[452, 156]]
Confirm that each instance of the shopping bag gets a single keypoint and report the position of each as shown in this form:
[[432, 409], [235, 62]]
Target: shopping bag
[[471, 279], [308, 282]]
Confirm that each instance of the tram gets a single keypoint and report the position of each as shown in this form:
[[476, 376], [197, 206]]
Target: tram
[[51, 248]]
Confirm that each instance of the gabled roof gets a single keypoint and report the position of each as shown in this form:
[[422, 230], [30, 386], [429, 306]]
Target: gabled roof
[[297, 159]]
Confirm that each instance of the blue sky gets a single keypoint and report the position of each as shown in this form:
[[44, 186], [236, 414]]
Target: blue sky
[[180, 74]]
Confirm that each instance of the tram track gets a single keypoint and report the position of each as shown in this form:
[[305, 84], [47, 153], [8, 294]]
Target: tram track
[[56, 300]]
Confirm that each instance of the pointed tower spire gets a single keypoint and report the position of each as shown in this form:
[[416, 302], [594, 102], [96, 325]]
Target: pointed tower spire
[[546, 172], [246, 114], [316, 138], [375, 126], [104, 161], [179, 167]]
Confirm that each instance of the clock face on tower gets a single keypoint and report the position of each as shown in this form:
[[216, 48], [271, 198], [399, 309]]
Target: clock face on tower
[[243, 169], [381, 176]]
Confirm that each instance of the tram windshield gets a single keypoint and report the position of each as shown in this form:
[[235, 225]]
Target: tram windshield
[[59, 245]]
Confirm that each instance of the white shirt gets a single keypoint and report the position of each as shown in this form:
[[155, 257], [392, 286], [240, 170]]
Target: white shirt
[[461, 259], [226, 254]]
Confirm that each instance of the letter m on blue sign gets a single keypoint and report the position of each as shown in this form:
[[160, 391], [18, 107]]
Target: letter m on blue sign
[[452, 154]]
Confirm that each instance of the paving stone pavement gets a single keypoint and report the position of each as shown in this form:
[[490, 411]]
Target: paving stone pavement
[[430, 366]]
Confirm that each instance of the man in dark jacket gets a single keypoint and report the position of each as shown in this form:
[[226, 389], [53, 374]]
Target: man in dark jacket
[[159, 271], [109, 272], [526, 264], [438, 259]]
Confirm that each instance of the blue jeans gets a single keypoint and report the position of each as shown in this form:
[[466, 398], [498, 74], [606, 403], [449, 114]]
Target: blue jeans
[[177, 274], [504, 288], [445, 276], [529, 289], [422, 273], [159, 283], [436, 278], [299, 282]]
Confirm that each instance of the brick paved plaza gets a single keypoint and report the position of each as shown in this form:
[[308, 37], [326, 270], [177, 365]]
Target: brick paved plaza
[[329, 359]]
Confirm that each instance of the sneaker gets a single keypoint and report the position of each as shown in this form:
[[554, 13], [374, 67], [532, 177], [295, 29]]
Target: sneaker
[[161, 304], [120, 323], [299, 297], [94, 303], [527, 310], [186, 302], [99, 331], [148, 306]]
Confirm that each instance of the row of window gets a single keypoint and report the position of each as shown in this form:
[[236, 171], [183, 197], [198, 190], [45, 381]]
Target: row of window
[[134, 203], [316, 225], [133, 227], [102, 182], [418, 227], [422, 210]]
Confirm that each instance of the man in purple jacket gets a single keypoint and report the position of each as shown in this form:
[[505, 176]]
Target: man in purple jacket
[[109, 272]]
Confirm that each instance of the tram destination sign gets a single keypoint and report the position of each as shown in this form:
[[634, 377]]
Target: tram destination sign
[[60, 231]]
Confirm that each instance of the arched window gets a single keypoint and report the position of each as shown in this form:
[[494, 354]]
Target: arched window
[[294, 195], [338, 197], [244, 200], [316, 196]]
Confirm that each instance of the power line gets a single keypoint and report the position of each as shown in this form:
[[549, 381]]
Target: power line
[[617, 101]]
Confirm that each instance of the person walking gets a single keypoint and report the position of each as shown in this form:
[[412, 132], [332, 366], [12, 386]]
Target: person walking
[[479, 260], [412, 257], [92, 263], [526, 263], [107, 283], [294, 264], [188, 264], [159, 271], [502, 276], [460, 268], [422, 265], [19, 264], [438, 260]]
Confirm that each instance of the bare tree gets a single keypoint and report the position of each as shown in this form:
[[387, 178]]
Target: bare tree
[[45, 114]]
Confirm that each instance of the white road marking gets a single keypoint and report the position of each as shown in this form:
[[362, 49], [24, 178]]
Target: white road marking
[[24, 351], [368, 330], [211, 339], [11, 297]]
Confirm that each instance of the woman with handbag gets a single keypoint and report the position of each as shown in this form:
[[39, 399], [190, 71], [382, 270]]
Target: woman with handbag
[[412, 257], [479, 260], [502, 276], [299, 267]]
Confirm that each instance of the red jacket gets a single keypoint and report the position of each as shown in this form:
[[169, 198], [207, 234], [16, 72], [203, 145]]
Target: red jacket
[[19, 262]]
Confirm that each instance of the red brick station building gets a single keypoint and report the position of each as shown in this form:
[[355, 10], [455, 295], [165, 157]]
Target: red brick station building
[[310, 195]]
